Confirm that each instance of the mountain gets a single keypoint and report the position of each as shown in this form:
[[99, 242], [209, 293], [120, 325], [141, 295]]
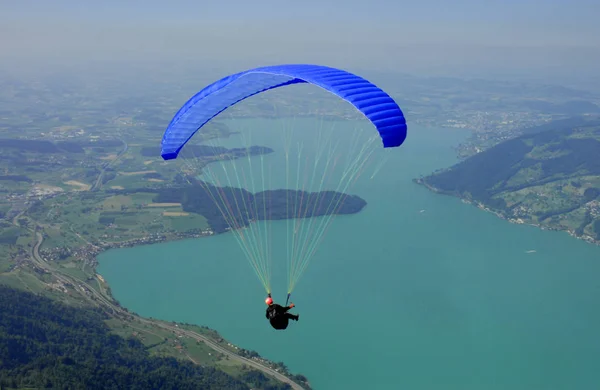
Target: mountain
[[549, 177], [47, 344]]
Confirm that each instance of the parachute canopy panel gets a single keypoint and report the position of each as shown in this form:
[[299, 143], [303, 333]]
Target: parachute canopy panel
[[371, 101]]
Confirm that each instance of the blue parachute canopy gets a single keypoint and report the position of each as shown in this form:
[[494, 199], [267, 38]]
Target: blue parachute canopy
[[374, 103]]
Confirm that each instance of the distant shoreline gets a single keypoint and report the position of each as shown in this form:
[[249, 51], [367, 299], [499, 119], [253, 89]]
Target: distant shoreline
[[501, 215], [94, 249]]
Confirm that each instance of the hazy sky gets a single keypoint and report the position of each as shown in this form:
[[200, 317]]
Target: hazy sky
[[384, 34]]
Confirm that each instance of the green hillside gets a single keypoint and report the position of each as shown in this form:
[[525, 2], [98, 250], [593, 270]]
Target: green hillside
[[550, 176], [46, 344]]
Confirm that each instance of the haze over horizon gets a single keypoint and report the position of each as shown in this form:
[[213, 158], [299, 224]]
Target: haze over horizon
[[553, 41], [477, 232]]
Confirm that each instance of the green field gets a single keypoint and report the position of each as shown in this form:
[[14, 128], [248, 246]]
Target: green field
[[24, 280], [548, 177]]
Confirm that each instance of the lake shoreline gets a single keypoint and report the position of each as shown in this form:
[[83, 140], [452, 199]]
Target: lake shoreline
[[499, 214]]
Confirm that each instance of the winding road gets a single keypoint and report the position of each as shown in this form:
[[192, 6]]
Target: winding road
[[98, 183], [115, 310]]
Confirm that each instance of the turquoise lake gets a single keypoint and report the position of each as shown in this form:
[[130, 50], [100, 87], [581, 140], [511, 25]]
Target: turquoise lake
[[417, 291]]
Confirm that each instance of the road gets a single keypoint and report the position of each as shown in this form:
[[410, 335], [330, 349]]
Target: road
[[234, 356], [98, 183], [114, 310]]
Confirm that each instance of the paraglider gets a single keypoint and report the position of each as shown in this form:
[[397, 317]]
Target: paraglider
[[373, 103], [278, 315]]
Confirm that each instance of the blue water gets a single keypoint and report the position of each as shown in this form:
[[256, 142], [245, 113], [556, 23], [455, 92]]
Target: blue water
[[395, 298]]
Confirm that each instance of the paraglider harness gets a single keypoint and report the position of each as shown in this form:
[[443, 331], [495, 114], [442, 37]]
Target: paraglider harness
[[276, 314]]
